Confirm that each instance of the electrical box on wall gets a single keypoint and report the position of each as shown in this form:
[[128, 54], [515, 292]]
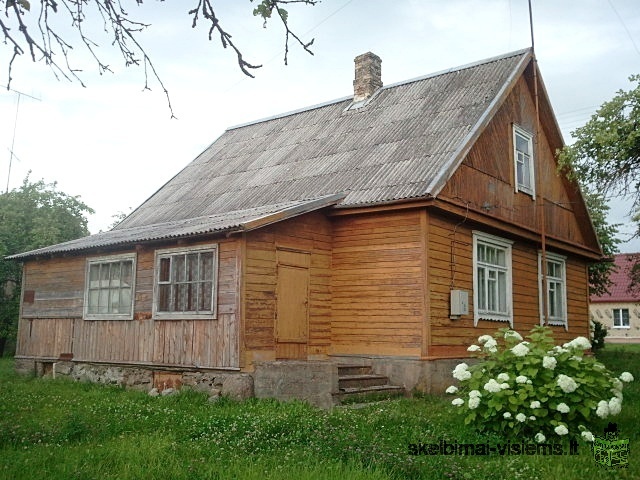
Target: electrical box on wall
[[459, 303]]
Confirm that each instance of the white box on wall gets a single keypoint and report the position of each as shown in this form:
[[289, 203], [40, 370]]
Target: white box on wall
[[459, 303]]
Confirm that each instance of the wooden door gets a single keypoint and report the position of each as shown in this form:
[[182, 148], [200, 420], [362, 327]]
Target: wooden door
[[292, 304]]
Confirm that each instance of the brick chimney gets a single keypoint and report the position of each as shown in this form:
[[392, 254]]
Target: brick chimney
[[368, 76]]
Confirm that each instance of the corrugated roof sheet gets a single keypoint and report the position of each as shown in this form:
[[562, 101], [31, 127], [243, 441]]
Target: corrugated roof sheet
[[398, 146], [619, 291], [236, 221]]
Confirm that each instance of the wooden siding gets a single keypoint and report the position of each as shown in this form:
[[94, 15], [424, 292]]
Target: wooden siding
[[485, 181], [53, 323], [377, 284], [450, 260], [309, 233]]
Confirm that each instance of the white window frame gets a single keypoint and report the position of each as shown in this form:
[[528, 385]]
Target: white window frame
[[172, 253], [520, 157], [491, 241], [621, 326], [553, 282], [103, 260]]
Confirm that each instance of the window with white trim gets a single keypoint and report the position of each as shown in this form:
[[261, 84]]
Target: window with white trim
[[185, 283], [523, 160], [620, 318], [110, 287], [556, 296], [491, 278]]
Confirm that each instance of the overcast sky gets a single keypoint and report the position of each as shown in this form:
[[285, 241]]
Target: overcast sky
[[114, 144]]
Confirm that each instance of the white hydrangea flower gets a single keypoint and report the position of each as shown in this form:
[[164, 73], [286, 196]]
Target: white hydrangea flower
[[475, 394], [506, 414], [540, 437], [558, 349], [484, 338], [461, 372], [452, 389], [521, 417], [491, 345], [473, 348], [535, 404], [512, 334], [575, 357], [521, 379], [615, 405], [561, 430], [492, 386], [457, 402], [626, 377], [520, 350], [617, 384], [532, 418], [503, 377], [474, 402], [579, 342], [563, 408], [566, 383], [603, 409], [504, 386], [549, 362], [587, 435]]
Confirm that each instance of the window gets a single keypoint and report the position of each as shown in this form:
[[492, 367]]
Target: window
[[110, 287], [523, 158], [620, 318], [186, 283], [491, 278], [556, 296]]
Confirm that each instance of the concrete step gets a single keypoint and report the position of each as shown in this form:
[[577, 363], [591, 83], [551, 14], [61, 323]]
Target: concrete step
[[369, 394], [347, 369], [361, 381]]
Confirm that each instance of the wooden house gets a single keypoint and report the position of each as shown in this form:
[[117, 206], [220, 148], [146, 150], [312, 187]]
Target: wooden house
[[619, 310], [390, 228]]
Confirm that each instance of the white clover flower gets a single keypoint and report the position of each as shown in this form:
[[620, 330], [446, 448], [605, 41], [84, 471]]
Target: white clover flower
[[473, 348], [549, 362], [603, 409], [567, 384], [535, 404], [492, 386], [561, 430], [521, 379], [457, 402], [520, 350], [475, 394], [563, 408], [484, 338], [506, 414], [452, 389], [579, 342], [521, 417], [587, 435], [512, 334], [504, 386], [503, 377], [615, 405], [474, 402], [626, 377], [461, 372], [540, 437]]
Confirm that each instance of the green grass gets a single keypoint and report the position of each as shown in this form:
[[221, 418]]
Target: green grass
[[57, 429]]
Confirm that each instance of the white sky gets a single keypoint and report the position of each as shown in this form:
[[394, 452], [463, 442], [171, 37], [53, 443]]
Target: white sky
[[114, 144]]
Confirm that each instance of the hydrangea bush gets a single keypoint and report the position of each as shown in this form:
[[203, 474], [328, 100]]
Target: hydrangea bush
[[535, 389]]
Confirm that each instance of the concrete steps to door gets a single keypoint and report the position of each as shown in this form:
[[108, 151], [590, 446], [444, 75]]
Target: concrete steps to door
[[358, 384]]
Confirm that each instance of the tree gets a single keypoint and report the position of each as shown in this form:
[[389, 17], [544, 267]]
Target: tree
[[32, 216], [35, 33], [605, 160]]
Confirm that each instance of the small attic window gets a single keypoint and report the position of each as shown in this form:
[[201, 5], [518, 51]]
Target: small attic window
[[523, 161]]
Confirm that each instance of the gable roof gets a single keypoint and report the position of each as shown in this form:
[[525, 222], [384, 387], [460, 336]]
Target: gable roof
[[619, 292], [402, 144]]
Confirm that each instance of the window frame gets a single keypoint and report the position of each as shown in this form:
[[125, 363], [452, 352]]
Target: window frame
[[492, 241], [544, 296], [185, 315], [621, 326], [101, 260], [529, 190]]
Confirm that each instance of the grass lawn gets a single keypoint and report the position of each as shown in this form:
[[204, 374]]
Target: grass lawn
[[57, 429]]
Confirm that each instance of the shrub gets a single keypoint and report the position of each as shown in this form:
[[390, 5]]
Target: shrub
[[598, 333], [533, 388]]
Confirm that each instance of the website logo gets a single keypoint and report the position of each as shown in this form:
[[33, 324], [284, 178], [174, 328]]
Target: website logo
[[610, 451]]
